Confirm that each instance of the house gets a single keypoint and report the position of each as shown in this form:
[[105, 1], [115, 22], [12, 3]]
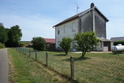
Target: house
[[117, 39], [50, 43], [89, 20]]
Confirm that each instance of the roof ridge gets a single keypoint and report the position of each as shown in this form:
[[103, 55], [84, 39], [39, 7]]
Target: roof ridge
[[80, 14]]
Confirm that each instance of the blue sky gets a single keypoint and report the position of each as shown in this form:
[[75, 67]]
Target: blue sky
[[36, 17]]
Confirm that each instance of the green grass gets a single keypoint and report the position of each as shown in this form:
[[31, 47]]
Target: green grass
[[94, 68], [25, 70]]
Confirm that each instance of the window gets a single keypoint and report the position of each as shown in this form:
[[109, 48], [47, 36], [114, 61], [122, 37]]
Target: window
[[73, 27], [64, 28], [58, 32]]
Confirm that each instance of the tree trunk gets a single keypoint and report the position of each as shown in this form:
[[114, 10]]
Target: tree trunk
[[83, 53], [66, 53]]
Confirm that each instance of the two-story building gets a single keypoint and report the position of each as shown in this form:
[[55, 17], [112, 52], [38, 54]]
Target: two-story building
[[89, 20]]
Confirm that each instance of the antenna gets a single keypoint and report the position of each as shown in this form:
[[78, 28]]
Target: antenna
[[77, 7]]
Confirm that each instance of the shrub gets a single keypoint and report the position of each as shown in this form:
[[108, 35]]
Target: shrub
[[38, 43], [66, 44], [86, 41], [2, 45]]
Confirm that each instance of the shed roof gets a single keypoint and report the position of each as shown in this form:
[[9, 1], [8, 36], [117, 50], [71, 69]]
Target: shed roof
[[49, 40], [81, 14], [117, 39]]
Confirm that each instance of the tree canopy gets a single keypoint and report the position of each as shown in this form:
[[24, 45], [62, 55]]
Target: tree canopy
[[66, 44], [14, 36], [38, 43], [3, 34], [86, 41]]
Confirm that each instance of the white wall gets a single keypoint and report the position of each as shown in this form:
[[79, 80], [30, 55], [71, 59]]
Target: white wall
[[68, 29]]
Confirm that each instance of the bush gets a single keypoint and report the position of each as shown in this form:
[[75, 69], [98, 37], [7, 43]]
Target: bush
[[86, 41], [38, 43], [2, 45], [66, 44]]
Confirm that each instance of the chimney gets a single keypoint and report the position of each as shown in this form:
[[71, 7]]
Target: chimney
[[92, 5]]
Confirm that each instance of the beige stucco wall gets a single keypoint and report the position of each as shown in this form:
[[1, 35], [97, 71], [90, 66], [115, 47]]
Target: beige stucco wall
[[68, 29]]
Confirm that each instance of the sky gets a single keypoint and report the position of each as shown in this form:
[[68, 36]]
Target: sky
[[36, 18]]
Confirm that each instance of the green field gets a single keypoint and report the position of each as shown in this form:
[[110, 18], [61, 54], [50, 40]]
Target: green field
[[94, 68]]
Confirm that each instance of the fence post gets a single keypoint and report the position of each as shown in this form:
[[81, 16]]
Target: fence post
[[46, 59], [36, 54], [72, 67]]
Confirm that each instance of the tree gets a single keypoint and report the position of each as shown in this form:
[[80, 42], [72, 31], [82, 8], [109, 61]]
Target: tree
[[3, 34], [14, 36], [86, 41], [38, 43], [66, 44]]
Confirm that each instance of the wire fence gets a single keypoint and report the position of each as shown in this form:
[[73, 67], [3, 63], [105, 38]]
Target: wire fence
[[96, 68], [65, 69]]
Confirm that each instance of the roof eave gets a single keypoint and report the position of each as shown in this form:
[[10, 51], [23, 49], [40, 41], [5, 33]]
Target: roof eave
[[64, 22], [102, 14]]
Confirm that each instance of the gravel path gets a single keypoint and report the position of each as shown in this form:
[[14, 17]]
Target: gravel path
[[3, 66]]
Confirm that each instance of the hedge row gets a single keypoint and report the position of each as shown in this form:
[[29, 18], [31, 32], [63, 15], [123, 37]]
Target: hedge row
[[119, 42]]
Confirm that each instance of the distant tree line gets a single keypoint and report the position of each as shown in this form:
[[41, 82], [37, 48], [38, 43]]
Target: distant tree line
[[10, 37]]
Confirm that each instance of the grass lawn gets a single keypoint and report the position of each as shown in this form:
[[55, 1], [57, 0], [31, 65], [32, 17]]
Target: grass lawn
[[94, 68], [23, 69]]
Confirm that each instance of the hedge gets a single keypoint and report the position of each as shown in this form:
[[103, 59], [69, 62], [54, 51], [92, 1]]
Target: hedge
[[119, 42]]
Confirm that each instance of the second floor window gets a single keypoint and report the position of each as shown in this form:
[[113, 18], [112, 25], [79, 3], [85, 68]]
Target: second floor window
[[64, 28], [58, 32], [73, 27]]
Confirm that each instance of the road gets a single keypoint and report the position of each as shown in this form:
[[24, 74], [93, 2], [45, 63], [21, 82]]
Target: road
[[3, 66]]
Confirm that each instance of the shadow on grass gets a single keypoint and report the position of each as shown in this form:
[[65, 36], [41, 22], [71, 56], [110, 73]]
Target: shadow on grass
[[60, 55], [77, 59], [80, 58]]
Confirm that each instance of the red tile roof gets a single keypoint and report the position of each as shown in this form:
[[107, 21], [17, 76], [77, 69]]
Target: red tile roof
[[49, 40]]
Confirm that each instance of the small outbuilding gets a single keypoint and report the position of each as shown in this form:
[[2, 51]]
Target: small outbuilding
[[50, 43]]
